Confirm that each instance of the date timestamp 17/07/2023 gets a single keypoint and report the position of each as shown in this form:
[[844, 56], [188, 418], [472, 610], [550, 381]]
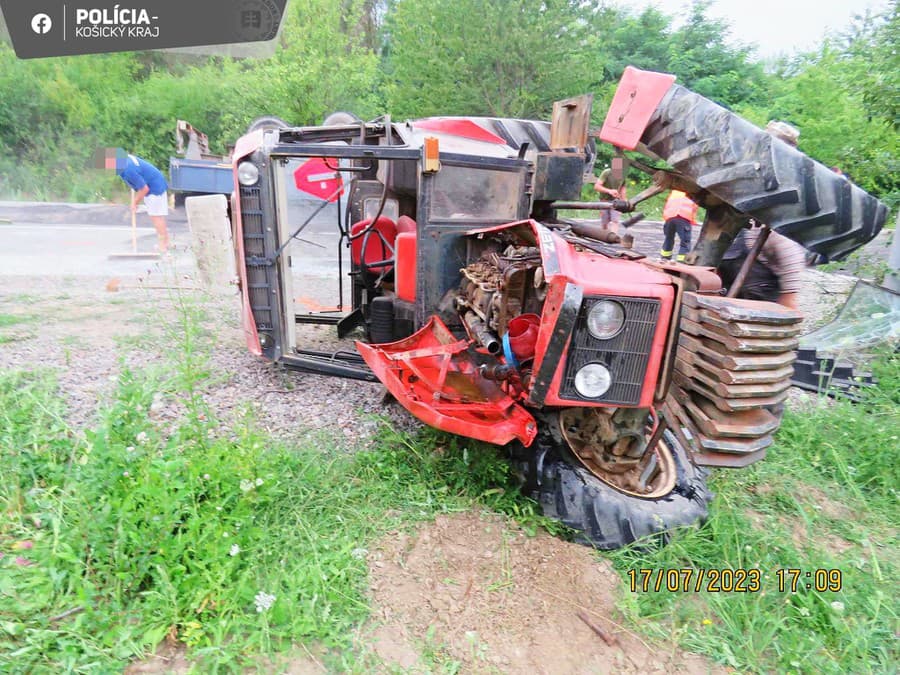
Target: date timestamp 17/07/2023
[[726, 580]]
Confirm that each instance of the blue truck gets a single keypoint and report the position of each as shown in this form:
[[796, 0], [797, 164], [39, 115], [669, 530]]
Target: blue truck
[[196, 171]]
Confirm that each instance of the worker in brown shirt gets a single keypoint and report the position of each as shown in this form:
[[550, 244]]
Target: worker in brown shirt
[[776, 274]]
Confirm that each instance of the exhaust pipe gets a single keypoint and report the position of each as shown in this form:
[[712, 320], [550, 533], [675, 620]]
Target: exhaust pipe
[[478, 329], [595, 232]]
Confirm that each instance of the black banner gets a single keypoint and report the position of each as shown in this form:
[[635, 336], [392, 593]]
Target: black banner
[[40, 28]]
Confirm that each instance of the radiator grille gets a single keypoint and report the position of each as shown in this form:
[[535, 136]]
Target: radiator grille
[[625, 354], [258, 287]]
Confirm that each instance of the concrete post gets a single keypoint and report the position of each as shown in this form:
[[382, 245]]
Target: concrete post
[[211, 242]]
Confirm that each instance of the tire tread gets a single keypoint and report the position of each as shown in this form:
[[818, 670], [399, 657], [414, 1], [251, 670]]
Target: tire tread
[[606, 518], [762, 176]]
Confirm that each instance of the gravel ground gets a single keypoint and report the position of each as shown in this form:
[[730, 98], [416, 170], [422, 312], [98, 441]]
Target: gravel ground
[[86, 334]]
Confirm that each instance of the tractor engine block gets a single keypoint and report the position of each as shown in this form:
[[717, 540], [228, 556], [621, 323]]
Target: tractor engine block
[[500, 286]]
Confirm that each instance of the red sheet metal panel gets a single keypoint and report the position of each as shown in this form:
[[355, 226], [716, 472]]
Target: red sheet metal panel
[[637, 96], [432, 375], [459, 127], [405, 267]]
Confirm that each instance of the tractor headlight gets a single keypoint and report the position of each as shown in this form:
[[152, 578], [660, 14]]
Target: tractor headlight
[[605, 319], [593, 380], [248, 173]]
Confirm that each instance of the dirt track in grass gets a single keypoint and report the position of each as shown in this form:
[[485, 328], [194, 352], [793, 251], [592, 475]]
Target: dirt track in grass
[[472, 589]]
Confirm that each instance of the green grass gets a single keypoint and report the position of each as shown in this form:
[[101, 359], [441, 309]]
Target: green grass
[[7, 320], [824, 498]]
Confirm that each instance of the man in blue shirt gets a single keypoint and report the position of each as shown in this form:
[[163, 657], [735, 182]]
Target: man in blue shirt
[[150, 186]]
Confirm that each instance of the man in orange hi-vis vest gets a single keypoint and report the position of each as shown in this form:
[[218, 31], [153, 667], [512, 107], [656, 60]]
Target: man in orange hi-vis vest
[[680, 212]]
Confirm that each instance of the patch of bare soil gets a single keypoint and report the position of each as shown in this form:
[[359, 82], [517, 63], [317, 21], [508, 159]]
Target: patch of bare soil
[[472, 588], [168, 658], [828, 505], [171, 658]]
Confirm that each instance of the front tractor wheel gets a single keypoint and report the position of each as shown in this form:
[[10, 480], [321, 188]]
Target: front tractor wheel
[[591, 470]]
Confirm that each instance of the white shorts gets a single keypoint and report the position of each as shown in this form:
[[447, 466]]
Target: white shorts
[[157, 205]]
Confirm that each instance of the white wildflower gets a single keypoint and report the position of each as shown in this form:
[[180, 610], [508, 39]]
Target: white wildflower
[[126, 474], [130, 448], [359, 553], [263, 601], [803, 611], [206, 476], [142, 437], [838, 606], [259, 481], [235, 549], [246, 485]]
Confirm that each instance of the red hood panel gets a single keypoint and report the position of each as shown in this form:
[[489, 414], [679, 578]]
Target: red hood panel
[[433, 376]]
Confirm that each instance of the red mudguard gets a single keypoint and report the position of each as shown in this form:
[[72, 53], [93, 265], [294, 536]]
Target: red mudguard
[[433, 376], [636, 98]]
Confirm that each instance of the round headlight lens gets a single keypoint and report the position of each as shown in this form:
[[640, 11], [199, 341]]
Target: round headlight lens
[[248, 173], [605, 319], [593, 380]]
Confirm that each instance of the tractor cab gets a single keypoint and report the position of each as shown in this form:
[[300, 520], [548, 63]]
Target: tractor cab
[[360, 225]]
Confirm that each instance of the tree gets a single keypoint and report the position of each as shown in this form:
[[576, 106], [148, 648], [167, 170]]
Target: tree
[[873, 44], [703, 61], [843, 98], [491, 57], [626, 39]]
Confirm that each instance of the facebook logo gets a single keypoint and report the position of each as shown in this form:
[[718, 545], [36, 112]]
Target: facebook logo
[[41, 24]]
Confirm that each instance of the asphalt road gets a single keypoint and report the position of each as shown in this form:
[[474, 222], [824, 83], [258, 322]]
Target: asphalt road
[[87, 240]]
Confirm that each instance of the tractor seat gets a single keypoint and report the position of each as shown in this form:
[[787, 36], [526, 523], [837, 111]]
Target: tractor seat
[[373, 248]]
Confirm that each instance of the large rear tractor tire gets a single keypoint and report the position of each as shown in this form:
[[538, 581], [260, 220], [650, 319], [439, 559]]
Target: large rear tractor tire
[[762, 176], [602, 515]]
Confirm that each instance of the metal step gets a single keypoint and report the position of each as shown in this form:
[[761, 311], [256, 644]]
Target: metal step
[[334, 364]]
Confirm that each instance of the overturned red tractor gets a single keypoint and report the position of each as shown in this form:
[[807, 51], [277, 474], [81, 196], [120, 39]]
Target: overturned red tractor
[[612, 379]]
